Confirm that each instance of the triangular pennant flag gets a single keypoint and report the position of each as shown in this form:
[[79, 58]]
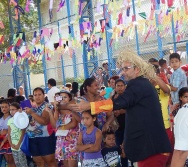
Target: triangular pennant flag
[[143, 15]]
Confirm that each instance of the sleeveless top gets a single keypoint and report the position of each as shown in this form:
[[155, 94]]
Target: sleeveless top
[[3, 123], [35, 129], [90, 139]]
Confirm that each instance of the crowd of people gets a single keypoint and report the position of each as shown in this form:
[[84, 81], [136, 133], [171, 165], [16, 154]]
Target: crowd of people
[[139, 114]]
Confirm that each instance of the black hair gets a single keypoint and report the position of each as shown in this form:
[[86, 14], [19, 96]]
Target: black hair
[[66, 92], [104, 63], [15, 104], [86, 83], [18, 99], [152, 60], [52, 82], [82, 90], [99, 68], [174, 56], [102, 87], [30, 96], [68, 85], [38, 88], [74, 88], [181, 92], [11, 92], [162, 61], [2, 98], [156, 68], [93, 116], [109, 132], [119, 80], [5, 102]]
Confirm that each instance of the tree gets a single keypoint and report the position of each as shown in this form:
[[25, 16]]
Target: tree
[[28, 21]]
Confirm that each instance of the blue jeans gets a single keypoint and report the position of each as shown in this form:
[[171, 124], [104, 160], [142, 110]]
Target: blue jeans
[[119, 140]]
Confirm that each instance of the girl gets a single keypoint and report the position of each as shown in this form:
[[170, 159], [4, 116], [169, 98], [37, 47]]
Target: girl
[[4, 144], [66, 143], [89, 142], [15, 137], [181, 131]]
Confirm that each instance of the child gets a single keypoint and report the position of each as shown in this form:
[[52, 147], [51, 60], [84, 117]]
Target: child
[[178, 78], [89, 142], [68, 125], [164, 70], [181, 131], [15, 137], [111, 152], [4, 144]]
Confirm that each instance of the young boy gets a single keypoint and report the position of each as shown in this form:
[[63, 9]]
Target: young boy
[[178, 78], [111, 152]]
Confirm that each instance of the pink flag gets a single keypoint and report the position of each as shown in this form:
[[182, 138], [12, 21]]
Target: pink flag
[[163, 1], [1, 25], [170, 3], [120, 19], [45, 32], [151, 14], [27, 6]]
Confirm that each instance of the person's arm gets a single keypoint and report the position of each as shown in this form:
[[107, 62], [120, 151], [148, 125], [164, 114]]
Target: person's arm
[[4, 140], [176, 81], [97, 145], [44, 119], [119, 112], [72, 124], [162, 85], [109, 120], [80, 146], [76, 116], [9, 137], [20, 141], [52, 118], [174, 89], [179, 157]]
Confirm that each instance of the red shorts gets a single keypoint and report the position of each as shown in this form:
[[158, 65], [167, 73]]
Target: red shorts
[[158, 160]]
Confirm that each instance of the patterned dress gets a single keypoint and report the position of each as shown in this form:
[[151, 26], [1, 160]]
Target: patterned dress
[[66, 145]]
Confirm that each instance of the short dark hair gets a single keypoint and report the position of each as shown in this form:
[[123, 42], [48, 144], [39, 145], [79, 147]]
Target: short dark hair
[[69, 85], [115, 77], [109, 132], [38, 88], [119, 80], [162, 61], [11, 92], [15, 104], [104, 63], [152, 60], [174, 56], [156, 68], [52, 82], [5, 102]]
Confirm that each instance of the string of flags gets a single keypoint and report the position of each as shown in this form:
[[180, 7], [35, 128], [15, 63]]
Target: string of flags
[[120, 11]]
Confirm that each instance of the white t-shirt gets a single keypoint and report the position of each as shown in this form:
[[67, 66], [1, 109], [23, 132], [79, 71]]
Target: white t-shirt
[[181, 129], [51, 93]]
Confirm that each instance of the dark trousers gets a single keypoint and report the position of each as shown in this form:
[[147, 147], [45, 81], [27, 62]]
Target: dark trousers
[[119, 140]]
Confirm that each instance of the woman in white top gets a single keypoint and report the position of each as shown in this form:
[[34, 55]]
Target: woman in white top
[[181, 131]]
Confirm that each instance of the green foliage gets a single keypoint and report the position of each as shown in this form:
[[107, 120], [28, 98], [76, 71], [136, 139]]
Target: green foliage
[[36, 68], [28, 21], [80, 80]]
